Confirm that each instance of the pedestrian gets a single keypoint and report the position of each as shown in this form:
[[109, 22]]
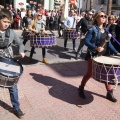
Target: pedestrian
[[6, 38], [94, 40]]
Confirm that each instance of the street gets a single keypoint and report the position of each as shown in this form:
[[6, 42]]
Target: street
[[55, 54]]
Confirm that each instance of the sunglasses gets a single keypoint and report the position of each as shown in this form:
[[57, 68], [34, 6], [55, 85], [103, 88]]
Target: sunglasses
[[103, 16], [90, 14], [39, 15]]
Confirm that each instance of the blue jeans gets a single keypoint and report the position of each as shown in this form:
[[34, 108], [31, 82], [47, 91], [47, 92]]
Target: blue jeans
[[14, 97], [43, 52], [74, 43]]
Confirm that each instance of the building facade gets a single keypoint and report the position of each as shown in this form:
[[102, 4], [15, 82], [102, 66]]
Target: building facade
[[101, 5]]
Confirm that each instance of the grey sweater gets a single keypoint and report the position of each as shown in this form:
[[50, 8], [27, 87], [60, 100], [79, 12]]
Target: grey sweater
[[14, 37]]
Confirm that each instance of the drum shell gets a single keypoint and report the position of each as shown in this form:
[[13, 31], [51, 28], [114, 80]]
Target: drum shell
[[105, 73], [42, 41], [70, 34], [10, 81]]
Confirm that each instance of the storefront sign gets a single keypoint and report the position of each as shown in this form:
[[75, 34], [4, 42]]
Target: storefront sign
[[18, 4]]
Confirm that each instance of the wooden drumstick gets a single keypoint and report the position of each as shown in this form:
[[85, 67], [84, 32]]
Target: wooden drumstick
[[108, 38]]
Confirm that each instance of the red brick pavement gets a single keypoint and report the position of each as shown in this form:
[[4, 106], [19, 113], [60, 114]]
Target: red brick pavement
[[49, 92]]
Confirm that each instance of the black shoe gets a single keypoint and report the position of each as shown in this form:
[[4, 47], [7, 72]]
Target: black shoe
[[81, 92], [110, 96], [19, 113], [34, 52], [65, 49], [76, 57]]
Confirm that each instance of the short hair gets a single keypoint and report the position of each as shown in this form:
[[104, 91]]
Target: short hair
[[4, 13], [111, 17]]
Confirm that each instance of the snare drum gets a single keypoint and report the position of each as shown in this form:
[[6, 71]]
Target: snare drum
[[106, 69], [70, 34], [27, 34], [10, 72], [43, 40]]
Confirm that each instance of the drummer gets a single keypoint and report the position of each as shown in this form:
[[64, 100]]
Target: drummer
[[26, 21], [6, 38], [69, 23], [94, 40], [37, 27]]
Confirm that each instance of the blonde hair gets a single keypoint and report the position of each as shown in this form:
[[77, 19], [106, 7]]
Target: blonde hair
[[33, 23], [95, 16]]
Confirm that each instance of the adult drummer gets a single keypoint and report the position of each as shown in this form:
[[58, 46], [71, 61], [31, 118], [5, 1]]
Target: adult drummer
[[37, 27], [95, 40], [85, 23], [70, 23], [25, 22], [6, 38]]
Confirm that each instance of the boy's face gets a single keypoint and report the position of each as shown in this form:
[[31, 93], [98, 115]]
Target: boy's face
[[4, 24]]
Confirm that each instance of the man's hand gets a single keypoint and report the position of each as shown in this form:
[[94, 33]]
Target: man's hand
[[22, 55]]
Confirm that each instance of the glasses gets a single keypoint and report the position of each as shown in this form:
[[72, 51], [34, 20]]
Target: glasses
[[90, 14], [103, 16], [39, 15]]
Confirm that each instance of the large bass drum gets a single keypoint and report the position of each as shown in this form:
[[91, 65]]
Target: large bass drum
[[106, 69]]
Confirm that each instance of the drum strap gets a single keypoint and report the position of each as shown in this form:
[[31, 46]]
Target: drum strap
[[4, 43]]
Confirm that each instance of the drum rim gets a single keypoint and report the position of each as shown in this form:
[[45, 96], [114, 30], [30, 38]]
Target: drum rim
[[12, 59], [104, 63]]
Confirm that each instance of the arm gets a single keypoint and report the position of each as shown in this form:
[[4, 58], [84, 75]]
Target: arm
[[31, 27], [65, 23], [88, 39], [112, 47], [78, 25]]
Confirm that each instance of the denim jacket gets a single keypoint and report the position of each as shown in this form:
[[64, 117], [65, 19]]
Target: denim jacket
[[93, 37]]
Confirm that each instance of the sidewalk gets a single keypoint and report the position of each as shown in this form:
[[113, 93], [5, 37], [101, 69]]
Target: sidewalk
[[49, 92]]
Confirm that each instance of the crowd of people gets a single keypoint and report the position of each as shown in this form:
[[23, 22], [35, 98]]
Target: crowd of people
[[92, 29]]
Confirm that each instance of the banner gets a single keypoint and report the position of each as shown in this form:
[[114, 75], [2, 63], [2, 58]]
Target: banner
[[65, 11], [20, 4]]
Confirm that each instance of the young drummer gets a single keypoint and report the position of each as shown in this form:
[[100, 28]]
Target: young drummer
[[6, 38]]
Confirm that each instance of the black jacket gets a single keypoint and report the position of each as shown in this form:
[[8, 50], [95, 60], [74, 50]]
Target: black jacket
[[85, 24]]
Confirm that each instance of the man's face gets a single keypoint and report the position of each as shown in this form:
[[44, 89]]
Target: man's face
[[89, 15], [72, 12], [4, 24]]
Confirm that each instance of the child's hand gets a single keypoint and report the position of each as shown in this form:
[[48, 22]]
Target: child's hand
[[22, 55]]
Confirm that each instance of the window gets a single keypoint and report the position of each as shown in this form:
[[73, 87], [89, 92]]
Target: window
[[114, 1], [101, 2]]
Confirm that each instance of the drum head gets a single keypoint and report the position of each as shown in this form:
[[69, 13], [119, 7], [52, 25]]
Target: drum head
[[10, 67], [108, 60]]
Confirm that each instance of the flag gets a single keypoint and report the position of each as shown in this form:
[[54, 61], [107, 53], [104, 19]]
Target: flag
[[65, 11]]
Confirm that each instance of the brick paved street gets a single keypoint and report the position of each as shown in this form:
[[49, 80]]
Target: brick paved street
[[49, 92]]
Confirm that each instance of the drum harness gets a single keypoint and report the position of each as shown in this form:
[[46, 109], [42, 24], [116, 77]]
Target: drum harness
[[5, 46]]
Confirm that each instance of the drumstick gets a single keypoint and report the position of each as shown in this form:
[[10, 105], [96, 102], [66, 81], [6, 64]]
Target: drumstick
[[104, 43], [15, 56], [108, 38]]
